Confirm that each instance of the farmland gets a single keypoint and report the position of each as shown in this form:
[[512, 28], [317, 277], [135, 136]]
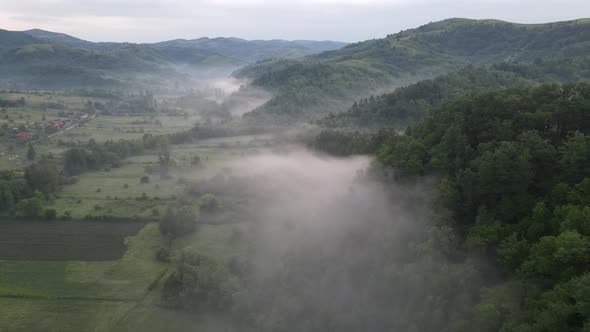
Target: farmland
[[64, 240], [114, 295], [80, 274]]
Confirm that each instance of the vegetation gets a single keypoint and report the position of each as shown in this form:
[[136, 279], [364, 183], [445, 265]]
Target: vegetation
[[513, 172], [332, 80], [407, 106], [199, 283], [44, 59]]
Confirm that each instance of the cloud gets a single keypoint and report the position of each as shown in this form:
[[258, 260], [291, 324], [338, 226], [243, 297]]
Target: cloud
[[346, 20]]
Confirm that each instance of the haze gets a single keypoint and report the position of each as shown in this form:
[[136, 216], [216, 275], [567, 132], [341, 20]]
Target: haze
[[343, 20]]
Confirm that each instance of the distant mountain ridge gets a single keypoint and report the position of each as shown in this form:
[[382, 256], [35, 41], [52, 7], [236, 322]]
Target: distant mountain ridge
[[248, 51], [39, 58], [256, 50]]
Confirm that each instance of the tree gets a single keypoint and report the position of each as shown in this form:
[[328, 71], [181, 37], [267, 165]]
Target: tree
[[199, 283], [31, 152], [209, 203], [30, 207], [165, 161], [196, 161], [42, 176], [557, 258], [50, 214], [575, 158], [178, 220], [75, 161]]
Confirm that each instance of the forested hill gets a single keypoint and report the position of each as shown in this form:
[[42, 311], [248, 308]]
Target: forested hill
[[30, 62], [37, 58], [515, 188], [330, 81], [240, 50], [408, 105]]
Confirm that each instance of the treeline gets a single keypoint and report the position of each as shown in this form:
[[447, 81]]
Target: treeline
[[407, 106], [514, 169], [12, 103], [346, 143], [94, 156], [22, 194]]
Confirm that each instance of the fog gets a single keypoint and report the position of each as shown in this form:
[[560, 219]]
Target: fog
[[329, 249], [210, 94], [237, 95]]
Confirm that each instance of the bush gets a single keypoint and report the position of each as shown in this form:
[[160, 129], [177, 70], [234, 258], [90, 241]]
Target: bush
[[199, 283], [30, 207], [163, 255], [50, 214], [144, 179], [209, 203], [178, 221], [67, 215]]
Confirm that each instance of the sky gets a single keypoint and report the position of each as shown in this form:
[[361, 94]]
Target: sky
[[342, 20]]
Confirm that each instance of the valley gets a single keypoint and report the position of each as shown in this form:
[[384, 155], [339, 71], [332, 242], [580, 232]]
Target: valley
[[436, 179]]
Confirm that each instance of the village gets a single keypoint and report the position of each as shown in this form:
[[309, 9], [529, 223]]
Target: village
[[51, 127], [39, 130]]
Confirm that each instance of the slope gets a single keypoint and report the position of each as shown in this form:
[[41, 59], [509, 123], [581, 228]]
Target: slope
[[331, 80]]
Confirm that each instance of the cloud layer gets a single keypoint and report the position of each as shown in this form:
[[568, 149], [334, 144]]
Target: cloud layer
[[346, 20]]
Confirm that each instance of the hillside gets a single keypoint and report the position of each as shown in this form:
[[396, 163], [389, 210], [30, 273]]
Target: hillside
[[514, 186], [331, 80], [408, 105]]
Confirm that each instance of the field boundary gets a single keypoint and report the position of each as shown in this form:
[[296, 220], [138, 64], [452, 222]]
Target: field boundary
[[71, 298]]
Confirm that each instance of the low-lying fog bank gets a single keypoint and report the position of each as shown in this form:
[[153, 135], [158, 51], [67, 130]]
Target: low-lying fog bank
[[329, 249]]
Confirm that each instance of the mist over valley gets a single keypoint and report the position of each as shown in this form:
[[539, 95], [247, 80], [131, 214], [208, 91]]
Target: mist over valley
[[433, 178]]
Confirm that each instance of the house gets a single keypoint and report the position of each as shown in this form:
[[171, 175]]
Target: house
[[24, 134], [57, 124]]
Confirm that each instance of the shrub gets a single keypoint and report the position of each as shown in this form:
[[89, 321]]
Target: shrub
[[178, 221], [50, 214], [199, 283], [209, 203], [163, 255]]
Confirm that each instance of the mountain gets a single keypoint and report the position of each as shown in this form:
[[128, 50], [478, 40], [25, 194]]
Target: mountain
[[241, 50], [330, 81], [51, 65], [251, 51], [58, 38], [44, 59]]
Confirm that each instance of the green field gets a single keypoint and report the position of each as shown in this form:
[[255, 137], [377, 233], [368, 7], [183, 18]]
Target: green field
[[106, 127], [124, 294], [119, 295]]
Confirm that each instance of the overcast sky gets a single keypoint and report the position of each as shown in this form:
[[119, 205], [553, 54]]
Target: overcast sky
[[345, 20]]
